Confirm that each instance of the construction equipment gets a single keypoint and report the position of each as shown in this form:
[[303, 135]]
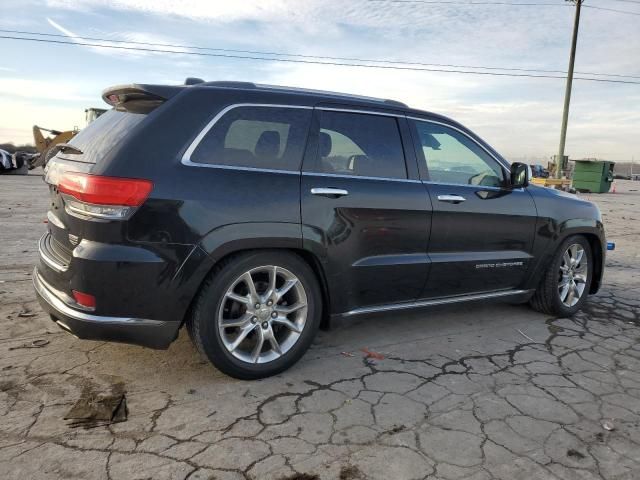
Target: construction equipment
[[560, 183], [45, 144]]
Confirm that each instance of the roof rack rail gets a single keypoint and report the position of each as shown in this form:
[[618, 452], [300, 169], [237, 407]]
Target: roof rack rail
[[230, 84], [334, 94], [251, 85], [395, 103]]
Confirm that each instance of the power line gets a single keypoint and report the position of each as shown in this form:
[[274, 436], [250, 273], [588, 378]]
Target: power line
[[627, 1], [626, 12], [474, 2], [506, 3], [322, 57], [313, 62]]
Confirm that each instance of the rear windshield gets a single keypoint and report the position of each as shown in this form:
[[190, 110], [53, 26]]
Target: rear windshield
[[101, 135]]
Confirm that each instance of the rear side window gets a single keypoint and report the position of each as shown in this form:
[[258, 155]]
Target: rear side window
[[360, 144], [101, 135], [257, 137]]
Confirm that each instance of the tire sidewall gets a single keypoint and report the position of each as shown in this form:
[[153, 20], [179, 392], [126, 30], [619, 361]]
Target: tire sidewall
[[555, 268], [211, 340]]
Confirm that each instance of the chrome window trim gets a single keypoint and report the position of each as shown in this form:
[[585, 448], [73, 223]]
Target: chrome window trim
[[505, 166], [186, 157], [363, 177], [476, 187], [244, 169]]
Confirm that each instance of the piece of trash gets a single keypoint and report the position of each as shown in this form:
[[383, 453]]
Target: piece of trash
[[575, 454], [41, 342], [608, 425], [525, 335], [371, 354], [26, 314], [95, 410], [397, 429], [346, 354]]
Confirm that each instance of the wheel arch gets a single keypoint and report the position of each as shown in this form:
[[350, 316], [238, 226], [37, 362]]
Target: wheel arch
[[597, 245], [308, 257], [597, 252], [592, 233]]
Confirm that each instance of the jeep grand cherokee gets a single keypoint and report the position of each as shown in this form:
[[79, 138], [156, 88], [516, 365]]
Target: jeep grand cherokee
[[252, 214]]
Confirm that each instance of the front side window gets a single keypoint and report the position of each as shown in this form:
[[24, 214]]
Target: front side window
[[257, 137], [360, 144], [452, 157]]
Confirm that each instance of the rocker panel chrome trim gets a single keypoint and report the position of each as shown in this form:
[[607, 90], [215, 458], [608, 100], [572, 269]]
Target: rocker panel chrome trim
[[437, 301]]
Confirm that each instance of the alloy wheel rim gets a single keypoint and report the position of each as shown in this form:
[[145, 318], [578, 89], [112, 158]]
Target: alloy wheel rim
[[262, 314], [572, 277]]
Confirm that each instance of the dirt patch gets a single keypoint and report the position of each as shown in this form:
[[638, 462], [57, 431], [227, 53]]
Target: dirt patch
[[351, 473], [553, 329], [94, 409], [7, 385], [301, 476]]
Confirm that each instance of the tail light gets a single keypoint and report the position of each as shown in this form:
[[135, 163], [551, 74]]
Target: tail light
[[103, 197]]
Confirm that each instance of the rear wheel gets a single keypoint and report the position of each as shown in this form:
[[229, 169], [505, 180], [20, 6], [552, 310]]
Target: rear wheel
[[257, 314], [565, 285]]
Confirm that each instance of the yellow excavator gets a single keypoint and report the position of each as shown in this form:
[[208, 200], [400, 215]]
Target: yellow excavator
[[45, 144]]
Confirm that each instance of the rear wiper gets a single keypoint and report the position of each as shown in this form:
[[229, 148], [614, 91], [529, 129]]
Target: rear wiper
[[67, 148]]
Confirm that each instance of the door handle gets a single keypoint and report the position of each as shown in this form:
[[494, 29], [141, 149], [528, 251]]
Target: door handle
[[451, 198], [329, 192]]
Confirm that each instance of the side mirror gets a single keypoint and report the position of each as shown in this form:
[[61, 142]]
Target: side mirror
[[520, 174]]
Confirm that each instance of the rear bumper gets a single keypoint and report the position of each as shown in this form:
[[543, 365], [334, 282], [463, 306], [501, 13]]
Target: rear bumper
[[137, 331]]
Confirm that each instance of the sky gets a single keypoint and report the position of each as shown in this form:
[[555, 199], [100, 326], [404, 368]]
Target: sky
[[51, 84]]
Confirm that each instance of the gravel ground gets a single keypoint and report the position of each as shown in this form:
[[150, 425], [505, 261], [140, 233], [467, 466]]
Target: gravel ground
[[483, 391]]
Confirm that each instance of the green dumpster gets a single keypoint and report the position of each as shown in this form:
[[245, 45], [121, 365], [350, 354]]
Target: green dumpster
[[593, 176]]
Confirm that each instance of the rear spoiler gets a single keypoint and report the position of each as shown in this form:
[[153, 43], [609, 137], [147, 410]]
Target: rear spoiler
[[136, 98]]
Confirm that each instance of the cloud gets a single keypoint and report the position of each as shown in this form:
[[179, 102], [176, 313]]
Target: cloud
[[133, 40], [24, 113], [519, 116], [55, 91]]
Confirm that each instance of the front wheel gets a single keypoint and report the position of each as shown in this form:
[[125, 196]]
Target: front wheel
[[256, 314], [565, 285]]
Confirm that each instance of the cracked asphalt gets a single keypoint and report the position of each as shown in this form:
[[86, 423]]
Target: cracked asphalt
[[476, 391]]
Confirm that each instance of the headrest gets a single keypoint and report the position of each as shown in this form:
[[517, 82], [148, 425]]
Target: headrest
[[268, 144], [324, 144]]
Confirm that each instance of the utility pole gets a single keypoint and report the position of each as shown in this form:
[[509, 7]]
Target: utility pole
[[567, 92]]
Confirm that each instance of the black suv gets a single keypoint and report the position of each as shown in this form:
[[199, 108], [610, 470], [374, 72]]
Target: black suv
[[252, 214]]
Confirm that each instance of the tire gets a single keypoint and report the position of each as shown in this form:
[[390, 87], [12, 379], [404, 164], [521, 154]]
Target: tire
[[548, 297], [244, 349]]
